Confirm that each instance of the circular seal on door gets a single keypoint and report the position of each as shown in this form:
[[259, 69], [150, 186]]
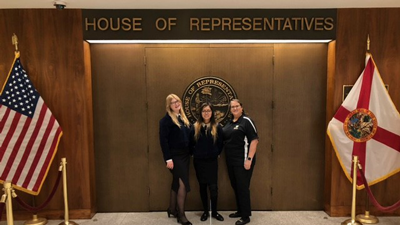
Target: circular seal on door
[[360, 125], [213, 90]]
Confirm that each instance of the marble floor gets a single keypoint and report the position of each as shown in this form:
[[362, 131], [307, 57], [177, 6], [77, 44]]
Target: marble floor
[[258, 218]]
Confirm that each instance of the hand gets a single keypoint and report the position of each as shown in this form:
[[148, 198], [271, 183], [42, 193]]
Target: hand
[[170, 165], [247, 164]]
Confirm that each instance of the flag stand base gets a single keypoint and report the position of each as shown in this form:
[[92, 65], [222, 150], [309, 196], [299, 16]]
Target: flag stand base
[[36, 221], [68, 223], [351, 222], [367, 218]]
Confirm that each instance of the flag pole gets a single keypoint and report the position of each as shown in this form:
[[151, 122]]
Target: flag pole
[[7, 198], [353, 221], [367, 218], [66, 213]]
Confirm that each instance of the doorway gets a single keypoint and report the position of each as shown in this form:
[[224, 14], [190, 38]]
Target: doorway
[[282, 87]]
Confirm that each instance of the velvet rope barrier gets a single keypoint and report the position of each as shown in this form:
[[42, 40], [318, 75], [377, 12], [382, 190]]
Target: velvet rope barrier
[[372, 197], [34, 210], [2, 204]]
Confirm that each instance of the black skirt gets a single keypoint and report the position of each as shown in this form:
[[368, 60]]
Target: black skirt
[[206, 170], [181, 160]]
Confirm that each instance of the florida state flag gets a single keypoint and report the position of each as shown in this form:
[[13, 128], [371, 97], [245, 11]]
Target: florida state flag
[[367, 124]]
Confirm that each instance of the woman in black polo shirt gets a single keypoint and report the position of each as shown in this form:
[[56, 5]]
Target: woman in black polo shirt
[[206, 142], [174, 141], [241, 139]]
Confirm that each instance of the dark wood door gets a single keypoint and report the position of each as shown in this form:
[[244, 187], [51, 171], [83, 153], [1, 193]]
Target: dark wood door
[[249, 71], [120, 128], [168, 70], [299, 126]]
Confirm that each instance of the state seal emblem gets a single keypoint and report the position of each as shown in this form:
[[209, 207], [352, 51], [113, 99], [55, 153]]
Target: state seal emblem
[[213, 90], [360, 125]]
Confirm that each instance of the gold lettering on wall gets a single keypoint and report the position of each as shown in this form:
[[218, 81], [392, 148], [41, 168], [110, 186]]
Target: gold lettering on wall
[[216, 22], [207, 24], [91, 24], [194, 22], [328, 24], [161, 24], [114, 24], [226, 22], [319, 24]]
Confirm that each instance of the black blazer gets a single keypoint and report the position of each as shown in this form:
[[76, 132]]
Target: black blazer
[[172, 137], [205, 147]]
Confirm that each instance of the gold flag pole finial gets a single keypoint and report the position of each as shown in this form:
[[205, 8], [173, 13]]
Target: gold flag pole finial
[[15, 42], [368, 43]]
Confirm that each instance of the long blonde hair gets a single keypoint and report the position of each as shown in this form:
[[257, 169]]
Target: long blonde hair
[[200, 121], [171, 113]]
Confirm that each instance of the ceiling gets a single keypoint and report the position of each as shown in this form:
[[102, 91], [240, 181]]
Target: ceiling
[[201, 4]]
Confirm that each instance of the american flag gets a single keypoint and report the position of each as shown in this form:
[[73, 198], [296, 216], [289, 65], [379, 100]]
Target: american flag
[[29, 133]]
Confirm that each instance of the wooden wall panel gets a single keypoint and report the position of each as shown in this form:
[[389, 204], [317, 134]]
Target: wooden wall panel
[[353, 26], [52, 53], [329, 114], [298, 126], [120, 127]]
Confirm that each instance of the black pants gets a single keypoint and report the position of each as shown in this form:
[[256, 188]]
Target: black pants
[[240, 182], [207, 176], [213, 197]]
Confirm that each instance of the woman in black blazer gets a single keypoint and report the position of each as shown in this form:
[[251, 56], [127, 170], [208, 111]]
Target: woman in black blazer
[[174, 141], [206, 142]]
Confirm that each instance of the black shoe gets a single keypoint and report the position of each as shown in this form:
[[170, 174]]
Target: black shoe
[[183, 223], [205, 216], [218, 216], [170, 213], [235, 215], [243, 221]]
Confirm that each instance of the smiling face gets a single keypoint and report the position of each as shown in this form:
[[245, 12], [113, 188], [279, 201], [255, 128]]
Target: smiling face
[[236, 109], [206, 113], [175, 105]]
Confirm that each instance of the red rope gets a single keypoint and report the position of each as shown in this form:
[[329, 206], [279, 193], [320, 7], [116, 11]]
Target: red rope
[[34, 210], [2, 204], [374, 201]]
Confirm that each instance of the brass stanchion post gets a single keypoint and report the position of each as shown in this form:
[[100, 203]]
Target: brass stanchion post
[[66, 213], [367, 218], [8, 201], [353, 221], [35, 219]]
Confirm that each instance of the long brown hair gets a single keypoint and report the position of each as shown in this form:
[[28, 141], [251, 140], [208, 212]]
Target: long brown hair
[[171, 113], [200, 121]]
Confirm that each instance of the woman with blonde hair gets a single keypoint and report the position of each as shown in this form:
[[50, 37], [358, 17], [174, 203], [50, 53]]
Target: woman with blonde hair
[[206, 142], [174, 141]]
